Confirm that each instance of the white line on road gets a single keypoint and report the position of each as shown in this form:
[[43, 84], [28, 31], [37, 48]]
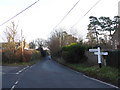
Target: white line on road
[[9, 73], [13, 87], [17, 73], [30, 66], [16, 82], [101, 81], [22, 70], [19, 78]]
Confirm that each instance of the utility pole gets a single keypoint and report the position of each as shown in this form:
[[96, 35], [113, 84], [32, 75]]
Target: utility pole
[[21, 44]]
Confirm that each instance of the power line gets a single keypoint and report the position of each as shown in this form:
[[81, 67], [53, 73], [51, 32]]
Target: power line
[[67, 13], [19, 13], [86, 13]]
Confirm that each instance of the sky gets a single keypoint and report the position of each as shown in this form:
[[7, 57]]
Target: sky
[[39, 20]]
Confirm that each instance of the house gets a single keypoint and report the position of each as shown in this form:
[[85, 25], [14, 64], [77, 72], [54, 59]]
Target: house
[[116, 39]]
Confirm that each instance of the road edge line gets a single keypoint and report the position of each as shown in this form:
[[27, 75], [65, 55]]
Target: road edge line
[[101, 82]]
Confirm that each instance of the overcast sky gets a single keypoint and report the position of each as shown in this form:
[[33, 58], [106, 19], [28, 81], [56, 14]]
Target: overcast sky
[[39, 20]]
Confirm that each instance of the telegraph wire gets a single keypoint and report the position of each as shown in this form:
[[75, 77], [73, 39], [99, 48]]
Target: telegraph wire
[[20, 12], [86, 13], [67, 13]]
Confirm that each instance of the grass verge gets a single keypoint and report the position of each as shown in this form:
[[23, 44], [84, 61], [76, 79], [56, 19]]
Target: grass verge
[[106, 74]]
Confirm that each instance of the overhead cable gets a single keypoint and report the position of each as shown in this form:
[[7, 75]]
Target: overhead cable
[[86, 13], [67, 13], [19, 13]]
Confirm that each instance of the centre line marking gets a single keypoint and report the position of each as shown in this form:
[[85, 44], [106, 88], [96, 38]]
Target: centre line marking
[[16, 82], [13, 87], [22, 70]]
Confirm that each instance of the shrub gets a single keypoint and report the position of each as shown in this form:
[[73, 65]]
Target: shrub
[[27, 55], [8, 56], [4, 58], [35, 55], [73, 53], [18, 55]]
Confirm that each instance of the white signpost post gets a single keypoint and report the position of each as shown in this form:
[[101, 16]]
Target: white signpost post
[[99, 53]]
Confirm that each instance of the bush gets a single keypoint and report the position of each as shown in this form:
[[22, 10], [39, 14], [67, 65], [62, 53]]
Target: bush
[[10, 57], [27, 55], [36, 55], [73, 53]]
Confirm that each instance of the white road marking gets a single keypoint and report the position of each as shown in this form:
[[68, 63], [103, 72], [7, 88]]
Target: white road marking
[[31, 66], [7, 73], [101, 82], [16, 82], [10, 73], [22, 70], [17, 73], [13, 87]]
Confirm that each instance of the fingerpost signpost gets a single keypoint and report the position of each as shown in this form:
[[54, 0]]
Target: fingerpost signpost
[[99, 53]]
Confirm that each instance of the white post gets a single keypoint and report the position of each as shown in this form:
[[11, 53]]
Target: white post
[[99, 53], [99, 57]]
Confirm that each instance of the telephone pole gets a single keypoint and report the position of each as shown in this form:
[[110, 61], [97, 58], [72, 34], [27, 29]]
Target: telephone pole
[[21, 44]]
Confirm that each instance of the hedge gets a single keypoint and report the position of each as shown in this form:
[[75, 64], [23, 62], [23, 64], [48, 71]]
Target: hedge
[[74, 53], [9, 57]]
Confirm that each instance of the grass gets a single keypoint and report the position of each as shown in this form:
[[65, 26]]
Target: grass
[[22, 63], [106, 73]]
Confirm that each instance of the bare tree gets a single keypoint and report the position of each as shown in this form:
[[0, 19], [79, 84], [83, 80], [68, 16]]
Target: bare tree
[[11, 37], [40, 42], [32, 45], [58, 39], [11, 33]]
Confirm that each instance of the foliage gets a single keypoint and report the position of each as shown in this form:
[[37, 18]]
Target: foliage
[[35, 55], [104, 73], [99, 28], [39, 44], [17, 57], [27, 54], [59, 39], [10, 46], [73, 53]]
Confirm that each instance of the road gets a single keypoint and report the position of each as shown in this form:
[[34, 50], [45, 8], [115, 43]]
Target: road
[[47, 74]]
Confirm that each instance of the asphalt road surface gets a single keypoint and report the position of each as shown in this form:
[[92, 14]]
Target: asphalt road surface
[[47, 74]]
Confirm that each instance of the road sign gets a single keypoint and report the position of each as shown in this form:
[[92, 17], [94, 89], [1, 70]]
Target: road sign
[[101, 53], [93, 50]]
